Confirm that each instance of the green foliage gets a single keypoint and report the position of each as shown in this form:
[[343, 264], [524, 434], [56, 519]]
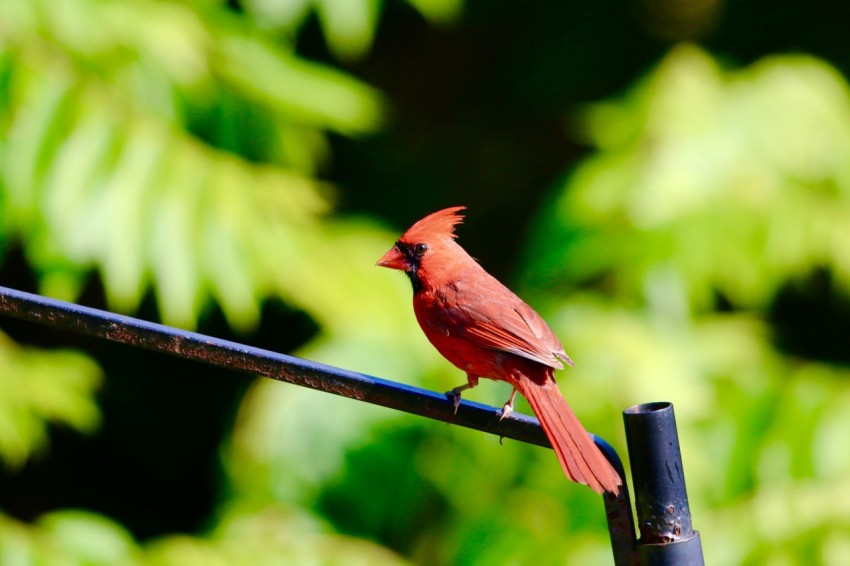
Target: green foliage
[[349, 25], [269, 535], [710, 192], [99, 167], [174, 147], [38, 388], [709, 182], [260, 536], [67, 537]]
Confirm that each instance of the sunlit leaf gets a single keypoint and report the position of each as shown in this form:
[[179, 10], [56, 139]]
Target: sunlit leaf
[[39, 388], [348, 25], [87, 538], [316, 95], [270, 535]]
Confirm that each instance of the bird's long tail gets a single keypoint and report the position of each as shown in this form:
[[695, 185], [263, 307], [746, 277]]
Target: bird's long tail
[[580, 458]]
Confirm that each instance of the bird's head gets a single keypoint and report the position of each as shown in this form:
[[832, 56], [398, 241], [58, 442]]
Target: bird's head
[[427, 249]]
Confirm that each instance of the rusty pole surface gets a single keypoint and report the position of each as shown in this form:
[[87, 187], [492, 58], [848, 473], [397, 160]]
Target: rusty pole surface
[[239, 357]]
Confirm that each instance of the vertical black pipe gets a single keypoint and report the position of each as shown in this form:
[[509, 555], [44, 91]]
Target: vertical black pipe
[[618, 511], [667, 537]]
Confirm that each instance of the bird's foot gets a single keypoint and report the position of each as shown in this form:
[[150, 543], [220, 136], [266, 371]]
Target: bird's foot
[[454, 397], [508, 407]]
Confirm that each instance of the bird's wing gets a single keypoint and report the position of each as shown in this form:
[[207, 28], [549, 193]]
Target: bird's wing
[[502, 321]]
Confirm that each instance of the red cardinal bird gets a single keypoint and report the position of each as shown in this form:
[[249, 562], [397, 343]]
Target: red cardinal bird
[[480, 326]]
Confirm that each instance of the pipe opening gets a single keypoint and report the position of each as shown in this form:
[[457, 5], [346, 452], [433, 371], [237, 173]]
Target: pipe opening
[[646, 408]]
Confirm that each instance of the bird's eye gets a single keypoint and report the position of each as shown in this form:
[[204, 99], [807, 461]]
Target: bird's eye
[[420, 249]]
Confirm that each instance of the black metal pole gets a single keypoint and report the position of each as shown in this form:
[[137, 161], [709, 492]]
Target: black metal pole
[[231, 355], [618, 511], [667, 537]]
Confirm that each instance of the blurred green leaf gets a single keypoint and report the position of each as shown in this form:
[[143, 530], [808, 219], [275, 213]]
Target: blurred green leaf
[[37, 388], [269, 535], [318, 96], [348, 25], [86, 538]]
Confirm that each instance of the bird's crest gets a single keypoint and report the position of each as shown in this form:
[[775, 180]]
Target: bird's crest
[[440, 223]]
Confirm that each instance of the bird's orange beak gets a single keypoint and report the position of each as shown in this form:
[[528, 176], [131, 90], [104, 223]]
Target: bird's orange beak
[[394, 259]]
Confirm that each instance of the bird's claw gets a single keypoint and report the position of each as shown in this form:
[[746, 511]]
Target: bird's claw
[[507, 409], [454, 397]]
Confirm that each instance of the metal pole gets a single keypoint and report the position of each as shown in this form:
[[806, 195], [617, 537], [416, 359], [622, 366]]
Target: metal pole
[[667, 537], [231, 355], [618, 511]]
